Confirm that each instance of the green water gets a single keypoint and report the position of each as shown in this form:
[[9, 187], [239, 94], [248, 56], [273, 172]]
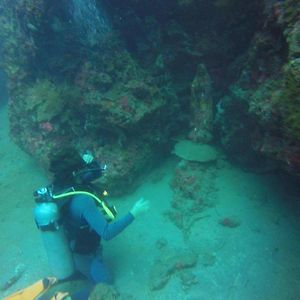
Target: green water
[[259, 259]]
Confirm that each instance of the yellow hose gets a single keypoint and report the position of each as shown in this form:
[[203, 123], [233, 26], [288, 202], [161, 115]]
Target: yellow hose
[[106, 209]]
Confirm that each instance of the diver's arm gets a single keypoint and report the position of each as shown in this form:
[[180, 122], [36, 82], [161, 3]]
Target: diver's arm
[[96, 220]]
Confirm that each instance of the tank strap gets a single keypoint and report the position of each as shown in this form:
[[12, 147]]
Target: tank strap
[[53, 226]]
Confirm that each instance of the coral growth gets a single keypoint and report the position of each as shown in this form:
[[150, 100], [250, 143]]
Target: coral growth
[[169, 264], [193, 186], [45, 100], [291, 99]]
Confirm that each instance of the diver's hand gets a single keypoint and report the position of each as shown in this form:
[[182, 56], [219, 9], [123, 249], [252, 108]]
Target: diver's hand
[[140, 207]]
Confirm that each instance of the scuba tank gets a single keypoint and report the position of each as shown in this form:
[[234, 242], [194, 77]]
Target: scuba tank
[[48, 221]]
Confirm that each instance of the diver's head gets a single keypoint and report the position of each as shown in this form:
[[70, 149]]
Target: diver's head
[[71, 168], [89, 173]]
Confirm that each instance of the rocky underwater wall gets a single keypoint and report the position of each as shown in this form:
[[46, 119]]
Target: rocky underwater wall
[[223, 71], [72, 85], [257, 121]]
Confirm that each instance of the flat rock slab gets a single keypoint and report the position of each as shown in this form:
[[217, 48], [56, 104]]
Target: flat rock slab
[[192, 151]]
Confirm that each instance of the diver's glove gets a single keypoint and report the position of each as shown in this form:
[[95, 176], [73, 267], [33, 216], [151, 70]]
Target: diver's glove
[[140, 207]]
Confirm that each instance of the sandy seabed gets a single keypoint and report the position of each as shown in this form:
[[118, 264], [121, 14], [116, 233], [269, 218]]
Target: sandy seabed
[[257, 260]]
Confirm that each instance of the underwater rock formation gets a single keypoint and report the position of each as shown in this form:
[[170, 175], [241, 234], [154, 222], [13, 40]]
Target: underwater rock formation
[[257, 120], [90, 93], [201, 106], [223, 71]]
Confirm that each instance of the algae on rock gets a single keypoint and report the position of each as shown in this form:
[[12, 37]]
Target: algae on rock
[[48, 100], [291, 100]]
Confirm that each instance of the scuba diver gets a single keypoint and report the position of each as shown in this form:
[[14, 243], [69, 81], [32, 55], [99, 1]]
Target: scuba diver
[[73, 220]]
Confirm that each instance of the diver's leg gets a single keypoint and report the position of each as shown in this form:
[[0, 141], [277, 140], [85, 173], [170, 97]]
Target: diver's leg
[[93, 268], [99, 272], [83, 264]]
